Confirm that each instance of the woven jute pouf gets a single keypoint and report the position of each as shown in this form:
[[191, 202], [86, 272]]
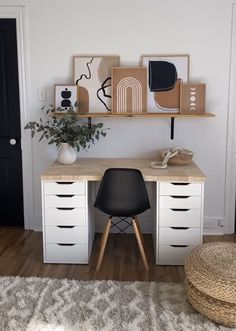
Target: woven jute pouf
[[211, 281]]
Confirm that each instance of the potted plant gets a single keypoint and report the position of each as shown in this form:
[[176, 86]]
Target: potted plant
[[66, 132]]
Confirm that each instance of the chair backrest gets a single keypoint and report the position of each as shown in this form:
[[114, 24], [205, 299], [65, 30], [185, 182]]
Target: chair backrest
[[122, 192]]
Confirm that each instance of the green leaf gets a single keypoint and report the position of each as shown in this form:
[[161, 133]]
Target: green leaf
[[41, 137], [67, 128]]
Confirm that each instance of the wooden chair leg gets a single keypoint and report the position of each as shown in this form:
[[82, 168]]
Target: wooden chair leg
[[103, 243], [140, 245], [102, 237], [139, 229]]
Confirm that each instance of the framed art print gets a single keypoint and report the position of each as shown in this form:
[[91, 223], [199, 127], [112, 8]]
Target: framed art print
[[129, 90], [66, 96], [192, 98], [165, 74], [93, 75]]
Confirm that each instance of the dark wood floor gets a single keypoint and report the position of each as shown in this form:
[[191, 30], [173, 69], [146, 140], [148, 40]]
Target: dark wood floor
[[21, 254]]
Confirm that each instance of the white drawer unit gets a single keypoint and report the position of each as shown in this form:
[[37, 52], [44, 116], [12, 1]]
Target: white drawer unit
[[66, 253], [179, 217], [64, 187], [179, 220], [65, 216], [178, 201], [66, 231], [63, 200], [180, 188], [173, 254], [65, 234], [179, 236]]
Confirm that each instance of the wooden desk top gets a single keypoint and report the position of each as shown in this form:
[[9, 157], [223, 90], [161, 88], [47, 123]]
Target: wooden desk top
[[92, 169]]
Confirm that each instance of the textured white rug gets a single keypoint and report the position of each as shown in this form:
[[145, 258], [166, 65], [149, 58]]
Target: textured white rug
[[42, 304]]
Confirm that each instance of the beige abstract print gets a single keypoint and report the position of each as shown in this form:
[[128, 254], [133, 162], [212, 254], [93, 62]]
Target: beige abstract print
[[129, 90], [93, 75]]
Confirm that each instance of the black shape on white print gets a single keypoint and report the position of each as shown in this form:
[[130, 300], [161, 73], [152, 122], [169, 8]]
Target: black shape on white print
[[84, 75], [66, 95], [104, 86]]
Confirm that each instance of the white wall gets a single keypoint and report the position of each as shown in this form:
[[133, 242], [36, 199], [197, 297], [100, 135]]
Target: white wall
[[59, 29]]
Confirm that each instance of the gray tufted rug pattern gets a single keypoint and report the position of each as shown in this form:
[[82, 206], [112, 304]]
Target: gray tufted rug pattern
[[43, 304]]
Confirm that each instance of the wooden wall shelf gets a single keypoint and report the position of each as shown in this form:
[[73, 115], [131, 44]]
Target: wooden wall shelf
[[146, 115], [172, 117]]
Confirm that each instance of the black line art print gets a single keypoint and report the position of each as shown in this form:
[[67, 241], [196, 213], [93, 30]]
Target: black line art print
[[103, 90], [84, 75]]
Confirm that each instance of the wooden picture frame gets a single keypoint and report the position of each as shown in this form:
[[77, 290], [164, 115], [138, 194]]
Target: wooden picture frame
[[93, 75], [192, 98], [66, 96], [129, 90], [175, 67]]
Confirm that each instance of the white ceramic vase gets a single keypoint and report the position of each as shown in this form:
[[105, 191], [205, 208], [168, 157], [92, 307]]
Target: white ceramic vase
[[66, 154]]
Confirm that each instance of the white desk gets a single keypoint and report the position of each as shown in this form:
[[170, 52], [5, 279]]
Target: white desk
[[67, 208]]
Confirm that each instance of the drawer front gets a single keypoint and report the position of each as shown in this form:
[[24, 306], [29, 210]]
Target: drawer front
[[77, 253], [180, 202], [65, 187], [180, 217], [65, 216], [65, 234], [170, 255], [65, 201], [192, 189], [179, 236]]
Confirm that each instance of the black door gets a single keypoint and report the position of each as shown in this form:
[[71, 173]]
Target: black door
[[11, 187]]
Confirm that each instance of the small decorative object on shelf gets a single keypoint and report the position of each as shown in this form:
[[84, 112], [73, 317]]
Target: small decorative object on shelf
[[192, 98], [67, 129], [66, 96]]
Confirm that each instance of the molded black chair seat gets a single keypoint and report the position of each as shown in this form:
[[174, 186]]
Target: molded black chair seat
[[122, 193]]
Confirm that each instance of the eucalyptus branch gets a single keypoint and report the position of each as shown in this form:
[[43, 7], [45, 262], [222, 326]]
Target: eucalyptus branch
[[67, 129]]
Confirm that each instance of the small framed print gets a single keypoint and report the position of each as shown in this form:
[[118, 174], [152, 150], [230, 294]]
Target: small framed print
[[66, 96], [129, 90], [192, 98]]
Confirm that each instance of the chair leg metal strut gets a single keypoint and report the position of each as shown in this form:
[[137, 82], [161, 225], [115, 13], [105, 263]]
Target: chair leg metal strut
[[138, 235]]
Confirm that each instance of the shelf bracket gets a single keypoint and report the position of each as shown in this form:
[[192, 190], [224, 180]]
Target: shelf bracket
[[89, 124], [172, 127]]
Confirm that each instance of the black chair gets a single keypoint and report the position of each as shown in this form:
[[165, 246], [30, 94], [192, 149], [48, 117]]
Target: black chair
[[122, 193]]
